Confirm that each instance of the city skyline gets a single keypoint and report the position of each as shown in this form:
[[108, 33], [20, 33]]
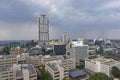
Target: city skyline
[[86, 19]]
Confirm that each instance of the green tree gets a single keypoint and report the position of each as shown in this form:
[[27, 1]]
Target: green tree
[[64, 79], [6, 50], [80, 66], [99, 76], [43, 75], [115, 72]]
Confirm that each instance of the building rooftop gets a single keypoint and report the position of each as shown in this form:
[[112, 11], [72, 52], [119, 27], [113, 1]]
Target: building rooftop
[[31, 69], [53, 67], [76, 73], [11, 56], [110, 63], [7, 56], [104, 61]]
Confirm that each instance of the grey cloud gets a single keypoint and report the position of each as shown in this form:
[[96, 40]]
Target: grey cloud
[[77, 17]]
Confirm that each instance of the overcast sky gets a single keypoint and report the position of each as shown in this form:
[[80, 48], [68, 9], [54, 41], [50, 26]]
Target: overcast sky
[[79, 18]]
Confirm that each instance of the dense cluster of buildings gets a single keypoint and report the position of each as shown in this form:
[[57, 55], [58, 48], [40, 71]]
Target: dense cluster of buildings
[[25, 63], [63, 57]]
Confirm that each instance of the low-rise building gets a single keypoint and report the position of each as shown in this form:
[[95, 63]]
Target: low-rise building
[[9, 60], [48, 58], [18, 72], [59, 69], [35, 60], [101, 64], [41, 60]]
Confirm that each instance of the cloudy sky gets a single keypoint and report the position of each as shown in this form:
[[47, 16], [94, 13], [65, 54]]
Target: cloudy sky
[[79, 18]]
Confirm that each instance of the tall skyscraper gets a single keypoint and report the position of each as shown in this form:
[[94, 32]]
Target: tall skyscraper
[[43, 30]]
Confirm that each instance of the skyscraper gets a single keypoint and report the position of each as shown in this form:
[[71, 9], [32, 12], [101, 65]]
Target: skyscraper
[[43, 30]]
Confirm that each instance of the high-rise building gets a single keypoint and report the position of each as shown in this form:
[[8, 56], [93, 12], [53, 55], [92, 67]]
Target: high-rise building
[[77, 50], [64, 38], [43, 30]]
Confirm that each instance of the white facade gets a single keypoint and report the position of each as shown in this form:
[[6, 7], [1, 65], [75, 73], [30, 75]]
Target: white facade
[[77, 50], [101, 65]]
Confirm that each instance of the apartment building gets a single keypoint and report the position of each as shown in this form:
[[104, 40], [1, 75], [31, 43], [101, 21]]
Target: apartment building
[[101, 64], [9, 60], [18, 72]]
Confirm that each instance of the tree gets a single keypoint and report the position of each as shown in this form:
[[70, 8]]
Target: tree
[[115, 72], [6, 50], [42, 74], [64, 79], [99, 76], [81, 66]]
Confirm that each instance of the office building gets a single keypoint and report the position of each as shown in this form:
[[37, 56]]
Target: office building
[[101, 64], [59, 49], [18, 72], [43, 30], [77, 50]]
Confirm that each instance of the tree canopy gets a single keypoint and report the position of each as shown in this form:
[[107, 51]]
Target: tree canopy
[[115, 72], [43, 75], [99, 76]]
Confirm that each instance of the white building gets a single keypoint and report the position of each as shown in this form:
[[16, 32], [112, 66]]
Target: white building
[[101, 64], [77, 50]]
